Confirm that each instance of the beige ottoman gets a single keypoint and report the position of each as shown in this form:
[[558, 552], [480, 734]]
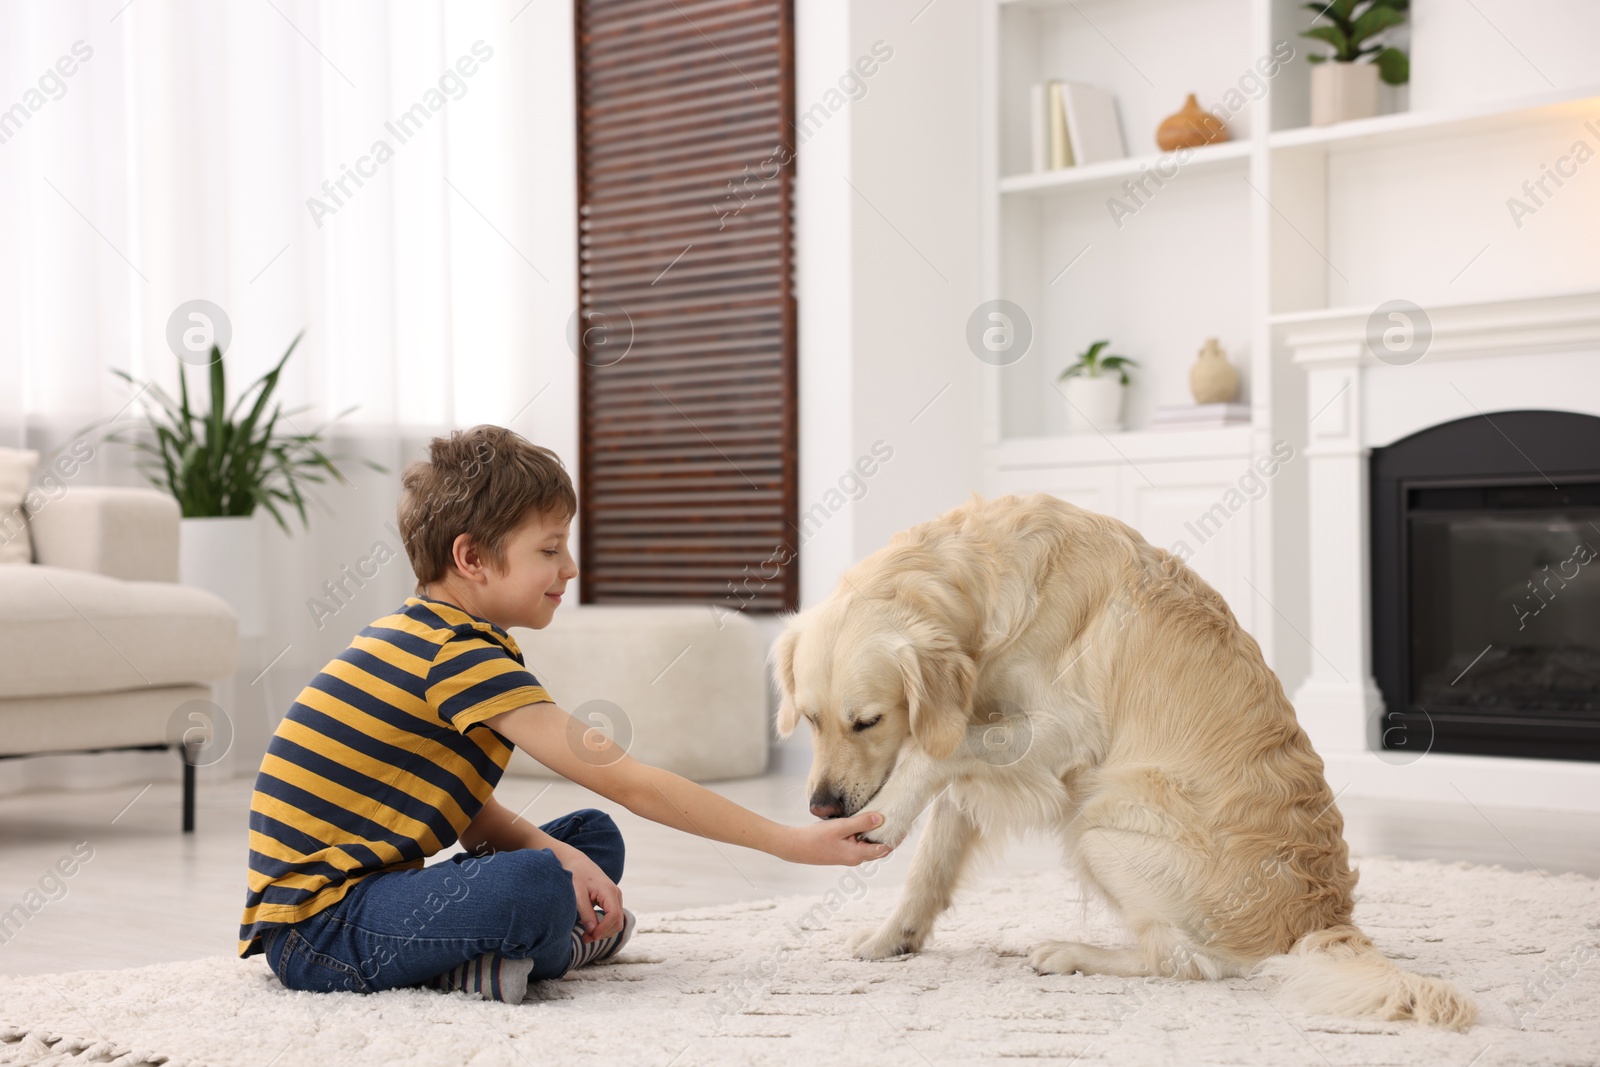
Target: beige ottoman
[[681, 687]]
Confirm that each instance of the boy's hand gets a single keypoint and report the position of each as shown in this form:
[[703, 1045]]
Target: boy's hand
[[592, 887], [835, 842]]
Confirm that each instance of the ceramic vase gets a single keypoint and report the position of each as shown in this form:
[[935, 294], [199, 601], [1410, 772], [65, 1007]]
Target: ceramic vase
[[222, 555], [1343, 91], [1189, 127], [1212, 379], [1094, 404]]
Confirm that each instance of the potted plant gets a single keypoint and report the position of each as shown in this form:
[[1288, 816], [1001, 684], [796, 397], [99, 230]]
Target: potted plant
[[1093, 388], [221, 465], [1344, 85]]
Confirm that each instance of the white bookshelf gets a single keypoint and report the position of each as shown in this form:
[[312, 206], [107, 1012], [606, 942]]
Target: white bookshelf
[[1283, 223]]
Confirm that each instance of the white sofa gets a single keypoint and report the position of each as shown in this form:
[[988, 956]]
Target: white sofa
[[679, 687], [102, 647]]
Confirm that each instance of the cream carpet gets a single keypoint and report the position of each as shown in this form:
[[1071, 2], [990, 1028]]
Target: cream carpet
[[770, 982]]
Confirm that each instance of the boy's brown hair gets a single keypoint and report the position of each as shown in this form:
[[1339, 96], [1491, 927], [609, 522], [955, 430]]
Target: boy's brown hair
[[484, 482]]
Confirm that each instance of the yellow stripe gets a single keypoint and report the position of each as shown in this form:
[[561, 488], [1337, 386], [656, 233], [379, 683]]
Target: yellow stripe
[[312, 826], [357, 804], [345, 756], [271, 847], [516, 698], [356, 719], [456, 617], [378, 689], [407, 740], [394, 655]]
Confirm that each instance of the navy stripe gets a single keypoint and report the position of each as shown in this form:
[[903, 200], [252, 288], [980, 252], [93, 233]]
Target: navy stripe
[[384, 671], [426, 769], [303, 843], [444, 670], [474, 627], [357, 826], [484, 691], [383, 792], [406, 641], [390, 715], [290, 837], [275, 868], [282, 895]]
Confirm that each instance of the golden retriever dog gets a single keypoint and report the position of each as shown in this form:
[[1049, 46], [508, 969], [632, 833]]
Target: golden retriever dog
[[1022, 663]]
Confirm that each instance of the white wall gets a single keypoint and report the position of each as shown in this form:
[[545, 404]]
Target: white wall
[[888, 271], [916, 261]]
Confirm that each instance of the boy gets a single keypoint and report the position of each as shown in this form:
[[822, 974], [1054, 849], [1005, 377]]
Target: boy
[[392, 753]]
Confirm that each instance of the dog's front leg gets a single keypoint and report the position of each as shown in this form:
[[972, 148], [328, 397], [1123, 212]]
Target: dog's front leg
[[912, 783], [946, 845]]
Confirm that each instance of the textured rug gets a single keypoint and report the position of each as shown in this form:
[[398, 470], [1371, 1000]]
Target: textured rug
[[770, 982]]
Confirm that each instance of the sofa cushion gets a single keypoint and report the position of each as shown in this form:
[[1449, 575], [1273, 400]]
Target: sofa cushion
[[16, 470], [67, 631], [35, 725]]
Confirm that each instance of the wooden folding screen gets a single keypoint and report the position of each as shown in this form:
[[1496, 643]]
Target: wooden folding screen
[[686, 319]]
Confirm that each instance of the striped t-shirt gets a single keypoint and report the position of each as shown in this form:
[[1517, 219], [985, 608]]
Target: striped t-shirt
[[375, 767]]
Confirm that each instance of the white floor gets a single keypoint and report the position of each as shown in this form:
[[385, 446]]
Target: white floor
[[151, 894]]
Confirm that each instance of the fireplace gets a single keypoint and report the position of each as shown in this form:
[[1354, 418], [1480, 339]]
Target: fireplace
[[1486, 586]]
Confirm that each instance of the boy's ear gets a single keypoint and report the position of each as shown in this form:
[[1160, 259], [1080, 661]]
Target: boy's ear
[[782, 660], [465, 557]]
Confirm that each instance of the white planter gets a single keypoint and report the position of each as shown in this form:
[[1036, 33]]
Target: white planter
[[223, 556], [1343, 91], [1094, 404]]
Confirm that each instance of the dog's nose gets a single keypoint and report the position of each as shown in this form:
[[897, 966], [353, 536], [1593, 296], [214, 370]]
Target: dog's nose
[[826, 805]]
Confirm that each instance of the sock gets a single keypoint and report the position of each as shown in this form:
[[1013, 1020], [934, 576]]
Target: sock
[[603, 948], [490, 976]]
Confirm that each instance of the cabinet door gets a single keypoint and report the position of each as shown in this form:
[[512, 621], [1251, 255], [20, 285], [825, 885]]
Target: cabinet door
[[1091, 488], [1201, 505]]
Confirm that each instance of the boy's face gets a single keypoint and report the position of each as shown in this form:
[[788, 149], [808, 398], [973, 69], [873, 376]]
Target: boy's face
[[537, 568]]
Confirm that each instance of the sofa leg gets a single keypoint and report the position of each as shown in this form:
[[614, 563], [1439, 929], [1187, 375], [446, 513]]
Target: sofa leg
[[188, 789]]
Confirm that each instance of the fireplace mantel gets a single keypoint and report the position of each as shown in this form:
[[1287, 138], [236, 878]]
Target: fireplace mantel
[[1535, 353], [1556, 323]]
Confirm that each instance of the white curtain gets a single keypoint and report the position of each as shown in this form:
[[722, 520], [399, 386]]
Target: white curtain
[[395, 179], [186, 152]]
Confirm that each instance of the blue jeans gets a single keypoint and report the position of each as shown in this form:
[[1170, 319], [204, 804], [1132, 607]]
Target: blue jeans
[[401, 928]]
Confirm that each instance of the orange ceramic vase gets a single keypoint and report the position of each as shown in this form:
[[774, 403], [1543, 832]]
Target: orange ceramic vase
[[1190, 127]]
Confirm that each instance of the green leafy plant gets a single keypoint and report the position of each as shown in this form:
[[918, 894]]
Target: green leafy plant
[[229, 460], [1091, 364], [1350, 29]]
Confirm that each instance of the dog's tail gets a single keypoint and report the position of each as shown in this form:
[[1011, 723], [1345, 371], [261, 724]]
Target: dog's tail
[[1338, 971]]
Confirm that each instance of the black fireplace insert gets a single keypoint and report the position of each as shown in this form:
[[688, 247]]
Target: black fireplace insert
[[1486, 586]]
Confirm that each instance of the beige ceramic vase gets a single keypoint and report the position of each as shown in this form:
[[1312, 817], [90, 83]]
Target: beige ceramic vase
[[1212, 379]]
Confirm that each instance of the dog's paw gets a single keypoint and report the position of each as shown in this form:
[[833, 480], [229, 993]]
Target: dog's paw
[[892, 831], [884, 943], [1057, 957]]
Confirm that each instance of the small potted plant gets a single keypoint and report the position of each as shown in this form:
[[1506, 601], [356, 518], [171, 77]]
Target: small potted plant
[[1344, 85], [1093, 388]]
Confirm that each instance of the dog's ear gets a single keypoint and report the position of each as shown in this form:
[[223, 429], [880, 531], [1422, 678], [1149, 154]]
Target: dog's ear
[[939, 680], [782, 660]]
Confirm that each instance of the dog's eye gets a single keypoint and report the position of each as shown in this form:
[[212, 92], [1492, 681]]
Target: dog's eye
[[865, 724]]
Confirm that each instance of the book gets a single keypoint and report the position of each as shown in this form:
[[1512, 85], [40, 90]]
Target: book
[[1093, 131], [1072, 124], [1199, 416], [1039, 126], [1059, 139]]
